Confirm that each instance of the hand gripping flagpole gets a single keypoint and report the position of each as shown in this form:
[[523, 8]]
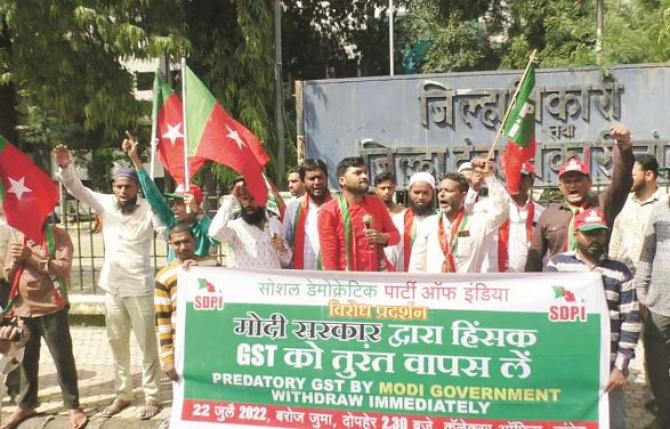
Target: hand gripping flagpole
[[187, 178], [534, 56]]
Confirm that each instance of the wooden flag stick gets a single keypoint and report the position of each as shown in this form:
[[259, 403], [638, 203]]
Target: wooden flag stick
[[533, 57]]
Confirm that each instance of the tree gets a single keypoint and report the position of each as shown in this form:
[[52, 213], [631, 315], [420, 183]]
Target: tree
[[327, 38], [66, 57], [71, 68], [232, 53]]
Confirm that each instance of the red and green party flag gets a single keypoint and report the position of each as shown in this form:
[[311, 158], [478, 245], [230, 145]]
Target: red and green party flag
[[204, 284], [213, 134], [561, 292], [519, 128], [28, 194], [168, 120]]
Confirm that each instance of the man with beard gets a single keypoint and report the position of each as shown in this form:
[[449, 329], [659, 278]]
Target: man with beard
[[454, 241], [555, 229], [300, 224], [126, 277], [175, 212], [354, 227], [255, 238], [515, 235], [631, 224], [591, 235], [385, 189], [410, 221]]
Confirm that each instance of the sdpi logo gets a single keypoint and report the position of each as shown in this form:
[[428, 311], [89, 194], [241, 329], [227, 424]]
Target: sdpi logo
[[208, 296], [567, 309]]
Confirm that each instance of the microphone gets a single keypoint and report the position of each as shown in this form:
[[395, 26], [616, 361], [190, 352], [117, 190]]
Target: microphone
[[367, 221]]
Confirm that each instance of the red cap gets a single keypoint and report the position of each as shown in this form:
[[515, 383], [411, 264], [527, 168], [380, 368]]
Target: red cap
[[528, 168], [573, 164], [590, 219], [193, 189]]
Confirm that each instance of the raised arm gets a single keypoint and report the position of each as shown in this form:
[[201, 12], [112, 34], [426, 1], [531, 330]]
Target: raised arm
[[498, 210], [613, 198], [72, 182], [219, 229], [153, 195]]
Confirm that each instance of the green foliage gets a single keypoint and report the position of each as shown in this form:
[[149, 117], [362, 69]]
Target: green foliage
[[232, 53], [327, 39], [488, 34], [66, 56]]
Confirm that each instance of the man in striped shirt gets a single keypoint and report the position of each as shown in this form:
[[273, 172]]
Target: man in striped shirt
[[591, 235], [165, 292]]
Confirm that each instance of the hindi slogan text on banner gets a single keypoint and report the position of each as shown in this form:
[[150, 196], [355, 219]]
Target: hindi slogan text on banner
[[307, 349]]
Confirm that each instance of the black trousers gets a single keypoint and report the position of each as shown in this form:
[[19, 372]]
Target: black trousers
[[656, 337], [55, 329]]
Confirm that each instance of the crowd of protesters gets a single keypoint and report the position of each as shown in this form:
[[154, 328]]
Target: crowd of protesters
[[462, 222]]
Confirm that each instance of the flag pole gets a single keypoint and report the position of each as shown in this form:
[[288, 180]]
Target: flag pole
[[533, 57], [187, 178], [153, 140], [154, 143]]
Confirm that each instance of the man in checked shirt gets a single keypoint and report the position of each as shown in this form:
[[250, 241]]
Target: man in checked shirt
[[591, 234]]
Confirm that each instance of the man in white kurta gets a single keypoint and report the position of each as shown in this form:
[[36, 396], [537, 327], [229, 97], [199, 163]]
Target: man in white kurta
[[255, 238], [455, 240], [410, 221], [126, 277]]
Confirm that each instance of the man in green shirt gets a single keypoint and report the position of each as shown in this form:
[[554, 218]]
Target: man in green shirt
[[171, 209]]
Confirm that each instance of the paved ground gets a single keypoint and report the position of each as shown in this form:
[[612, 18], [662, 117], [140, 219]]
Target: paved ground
[[96, 385], [96, 375]]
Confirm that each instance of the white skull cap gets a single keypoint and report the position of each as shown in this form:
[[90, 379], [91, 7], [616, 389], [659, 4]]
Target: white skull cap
[[422, 176]]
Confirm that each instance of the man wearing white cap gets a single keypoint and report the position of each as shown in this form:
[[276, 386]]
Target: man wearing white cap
[[409, 221]]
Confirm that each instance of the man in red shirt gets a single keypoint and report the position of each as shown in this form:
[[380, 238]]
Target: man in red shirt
[[354, 227]]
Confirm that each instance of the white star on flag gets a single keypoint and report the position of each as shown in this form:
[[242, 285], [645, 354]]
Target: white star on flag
[[234, 135], [173, 133], [18, 187]]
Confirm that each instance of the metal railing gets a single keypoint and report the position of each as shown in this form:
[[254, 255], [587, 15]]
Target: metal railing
[[81, 222]]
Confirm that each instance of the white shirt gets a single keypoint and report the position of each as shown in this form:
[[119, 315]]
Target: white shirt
[[519, 242], [312, 244], [630, 226], [396, 254], [474, 203], [427, 255], [127, 270], [251, 245]]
